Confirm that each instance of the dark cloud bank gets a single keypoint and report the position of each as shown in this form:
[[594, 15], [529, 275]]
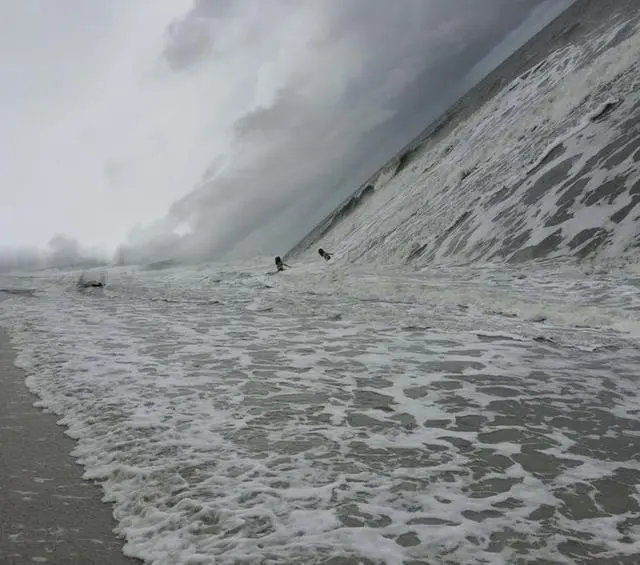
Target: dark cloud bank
[[371, 74]]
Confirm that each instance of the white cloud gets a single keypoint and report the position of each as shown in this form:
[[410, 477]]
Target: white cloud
[[206, 121]]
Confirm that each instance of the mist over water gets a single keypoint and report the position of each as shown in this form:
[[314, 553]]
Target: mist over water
[[195, 130]]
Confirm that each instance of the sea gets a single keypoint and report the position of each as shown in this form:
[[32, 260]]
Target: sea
[[458, 385]]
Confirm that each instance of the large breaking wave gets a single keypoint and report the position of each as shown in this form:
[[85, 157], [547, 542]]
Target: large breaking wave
[[544, 165]]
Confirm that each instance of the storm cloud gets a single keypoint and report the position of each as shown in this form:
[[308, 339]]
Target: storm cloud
[[230, 127]]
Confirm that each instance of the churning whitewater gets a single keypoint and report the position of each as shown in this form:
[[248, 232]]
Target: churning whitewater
[[458, 385]]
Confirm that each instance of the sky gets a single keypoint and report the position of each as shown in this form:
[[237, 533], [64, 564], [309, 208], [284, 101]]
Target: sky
[[204, 128]]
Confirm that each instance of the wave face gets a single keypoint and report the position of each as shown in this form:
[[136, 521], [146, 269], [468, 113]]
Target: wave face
[[539, 160]]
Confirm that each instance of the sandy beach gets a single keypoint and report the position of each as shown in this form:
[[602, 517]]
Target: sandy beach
[[48, 514]]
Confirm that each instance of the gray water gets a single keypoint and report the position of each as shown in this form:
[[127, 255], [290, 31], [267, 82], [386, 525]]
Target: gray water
[[336, 414]]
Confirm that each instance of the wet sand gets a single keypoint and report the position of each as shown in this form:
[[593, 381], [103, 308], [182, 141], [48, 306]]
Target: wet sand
[[48, 513]]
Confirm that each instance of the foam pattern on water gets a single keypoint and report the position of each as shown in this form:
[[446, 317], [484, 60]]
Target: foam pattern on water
[[331, 415], [548, 167]]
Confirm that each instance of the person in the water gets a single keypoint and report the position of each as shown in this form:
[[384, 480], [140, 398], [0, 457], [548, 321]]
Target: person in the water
[[280, 265], [326, 256]]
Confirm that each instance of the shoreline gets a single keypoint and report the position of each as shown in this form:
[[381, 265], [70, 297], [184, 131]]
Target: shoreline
[[49, 513]]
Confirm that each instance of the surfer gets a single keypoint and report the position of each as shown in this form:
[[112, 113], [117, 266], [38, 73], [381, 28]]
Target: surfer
[[280, 265], [326, 256]]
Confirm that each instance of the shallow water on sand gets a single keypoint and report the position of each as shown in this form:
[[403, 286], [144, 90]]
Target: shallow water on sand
[[337, 415]]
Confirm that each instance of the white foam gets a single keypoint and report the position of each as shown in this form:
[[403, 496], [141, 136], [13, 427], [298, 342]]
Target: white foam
[[556, 103], [220, 432]]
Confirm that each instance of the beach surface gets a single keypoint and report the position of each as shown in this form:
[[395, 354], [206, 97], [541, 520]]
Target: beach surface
[[48, 513]]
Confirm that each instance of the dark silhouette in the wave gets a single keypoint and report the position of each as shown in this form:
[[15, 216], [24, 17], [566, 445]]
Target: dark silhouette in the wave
[[280, 265], [326, 225], [84, 282], [326, 256]]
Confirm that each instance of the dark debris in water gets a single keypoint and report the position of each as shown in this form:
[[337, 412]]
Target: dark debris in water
[[605, 110], [543, 339]]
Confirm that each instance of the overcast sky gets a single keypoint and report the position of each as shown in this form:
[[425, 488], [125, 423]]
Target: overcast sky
[[217, 125]]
